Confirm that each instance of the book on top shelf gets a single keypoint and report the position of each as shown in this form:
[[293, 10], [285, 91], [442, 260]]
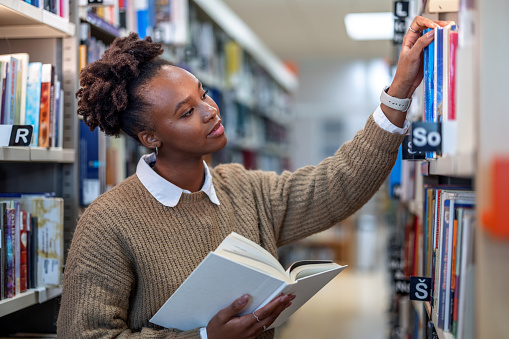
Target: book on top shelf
[[9, 100], [44, 117], [239, 266], [33, 102]]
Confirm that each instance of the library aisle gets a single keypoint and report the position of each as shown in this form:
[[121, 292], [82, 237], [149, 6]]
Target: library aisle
[[352, 306]]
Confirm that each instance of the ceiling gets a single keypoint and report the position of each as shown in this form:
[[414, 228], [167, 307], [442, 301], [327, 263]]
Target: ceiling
[[310, 29]]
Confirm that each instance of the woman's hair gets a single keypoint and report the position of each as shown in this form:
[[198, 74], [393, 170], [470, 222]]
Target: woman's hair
[[111, 95]]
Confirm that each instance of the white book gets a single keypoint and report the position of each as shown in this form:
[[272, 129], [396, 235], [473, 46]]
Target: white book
[[237, 267]]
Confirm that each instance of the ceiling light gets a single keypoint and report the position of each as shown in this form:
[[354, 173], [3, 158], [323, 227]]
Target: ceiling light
[[370, 26]]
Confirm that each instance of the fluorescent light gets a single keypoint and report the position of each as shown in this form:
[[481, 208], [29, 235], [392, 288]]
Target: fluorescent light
[[370, 26]]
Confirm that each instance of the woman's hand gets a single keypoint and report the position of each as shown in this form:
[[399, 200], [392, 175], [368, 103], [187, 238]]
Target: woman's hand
[[226, 324], [409, 72]]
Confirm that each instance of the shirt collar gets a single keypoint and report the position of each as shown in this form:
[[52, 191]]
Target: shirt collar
[[164, 191]]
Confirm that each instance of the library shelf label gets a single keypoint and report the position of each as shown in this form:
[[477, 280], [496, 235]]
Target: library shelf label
[[407, 152], [420, 288], [426, 136], [16, 135]]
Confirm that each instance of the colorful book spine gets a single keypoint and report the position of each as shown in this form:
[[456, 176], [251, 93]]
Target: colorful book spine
[[23, 251], [44, 119], [3, 269], [453, 48], [444, 260], [9, 106], [438, 74], [33, 102], [10, 282], [17, 245]]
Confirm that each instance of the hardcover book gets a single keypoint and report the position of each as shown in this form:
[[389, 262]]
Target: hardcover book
[[239, 266], [33, 103], [44, 118]]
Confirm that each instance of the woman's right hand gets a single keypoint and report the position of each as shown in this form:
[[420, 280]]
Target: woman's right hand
[[226, 324]]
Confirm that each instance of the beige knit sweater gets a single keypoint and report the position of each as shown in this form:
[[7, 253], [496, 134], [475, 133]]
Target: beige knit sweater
[[130, 253]]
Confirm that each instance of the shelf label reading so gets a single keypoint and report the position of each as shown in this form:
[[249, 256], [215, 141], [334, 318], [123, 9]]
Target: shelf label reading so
[[426, 136]]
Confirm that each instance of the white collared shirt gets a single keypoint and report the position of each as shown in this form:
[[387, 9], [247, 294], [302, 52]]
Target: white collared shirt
[[164, 191]]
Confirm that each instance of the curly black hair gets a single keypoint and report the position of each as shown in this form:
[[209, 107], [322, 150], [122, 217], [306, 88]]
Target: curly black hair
[[110, 96]]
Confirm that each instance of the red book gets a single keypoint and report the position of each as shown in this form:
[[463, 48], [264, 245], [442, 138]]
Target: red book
[[23, 251], [453, 47], [44, 120]]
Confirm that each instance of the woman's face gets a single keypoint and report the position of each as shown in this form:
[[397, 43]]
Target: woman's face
[[186, 120]]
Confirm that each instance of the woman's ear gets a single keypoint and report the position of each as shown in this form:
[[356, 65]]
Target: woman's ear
[[149, 140]]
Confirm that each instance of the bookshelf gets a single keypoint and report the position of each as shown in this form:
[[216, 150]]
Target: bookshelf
[[481, 140], [47, 38]]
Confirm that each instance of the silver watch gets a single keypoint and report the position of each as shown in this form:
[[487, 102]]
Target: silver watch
[[395, 103]]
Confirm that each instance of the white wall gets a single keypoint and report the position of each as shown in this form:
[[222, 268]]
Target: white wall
[[331, 91]]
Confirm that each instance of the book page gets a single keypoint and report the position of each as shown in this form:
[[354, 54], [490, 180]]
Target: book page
[[311, 269], [235, 243]]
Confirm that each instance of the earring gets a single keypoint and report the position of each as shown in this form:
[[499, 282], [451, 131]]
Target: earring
[[157, 151]]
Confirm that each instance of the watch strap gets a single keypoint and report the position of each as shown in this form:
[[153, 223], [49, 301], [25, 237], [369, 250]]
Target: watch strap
[[394, 103]]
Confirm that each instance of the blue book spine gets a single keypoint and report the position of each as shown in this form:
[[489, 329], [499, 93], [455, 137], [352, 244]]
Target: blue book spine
[[33, 103], [428, 59], [443, 265], [439, 62], [429, 89]]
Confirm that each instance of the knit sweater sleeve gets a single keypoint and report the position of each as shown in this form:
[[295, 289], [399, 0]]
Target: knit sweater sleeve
[[314, 198], [98, 283]]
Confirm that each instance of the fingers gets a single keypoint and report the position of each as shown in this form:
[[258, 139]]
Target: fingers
[[269, 313], [229, 312]]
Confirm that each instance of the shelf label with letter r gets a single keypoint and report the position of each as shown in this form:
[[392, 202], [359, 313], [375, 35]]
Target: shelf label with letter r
[[426, 136], [420, 288], [16, 135]]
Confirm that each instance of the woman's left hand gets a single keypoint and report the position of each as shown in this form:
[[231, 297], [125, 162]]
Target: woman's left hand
[[409, 72]]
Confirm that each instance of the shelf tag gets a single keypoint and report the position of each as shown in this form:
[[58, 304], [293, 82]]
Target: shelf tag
[[420, 288], [16, 135], [408, 153], [426, 136]]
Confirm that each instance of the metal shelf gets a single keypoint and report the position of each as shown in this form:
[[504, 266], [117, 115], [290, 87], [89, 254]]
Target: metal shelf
[[28, 298], [21, 20], [37, 154]]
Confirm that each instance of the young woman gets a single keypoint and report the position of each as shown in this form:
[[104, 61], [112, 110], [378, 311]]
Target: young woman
[[137, 243]]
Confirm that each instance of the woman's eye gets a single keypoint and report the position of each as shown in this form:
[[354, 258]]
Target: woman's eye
[[205, 94], [188, 113]]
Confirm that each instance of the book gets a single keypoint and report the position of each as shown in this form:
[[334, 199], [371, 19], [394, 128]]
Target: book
[[9, 102], [239, 266], [33, 102], [21, 87], [10, 284], [23, 283], [3, 220], [44, 117], [453, 47]]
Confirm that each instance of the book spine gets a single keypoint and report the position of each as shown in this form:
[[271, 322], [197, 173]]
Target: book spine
[[439, 77], [443, 266], [10, 284], [33, 252], [33, 103], [3, 269], [452, 73], [44, 121], [23, 251], [17, 245]]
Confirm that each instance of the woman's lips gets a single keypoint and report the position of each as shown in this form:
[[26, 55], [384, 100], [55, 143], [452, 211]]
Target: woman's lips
[[217, 130]]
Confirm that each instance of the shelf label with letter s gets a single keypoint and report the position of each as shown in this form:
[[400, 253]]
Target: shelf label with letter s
[[420, 288]]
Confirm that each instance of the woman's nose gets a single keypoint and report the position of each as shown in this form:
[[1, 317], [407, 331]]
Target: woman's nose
[[209, 112]]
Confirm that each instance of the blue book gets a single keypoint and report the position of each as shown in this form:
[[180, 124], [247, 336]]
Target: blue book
[[33, 102], [439, 76], [428, 59]]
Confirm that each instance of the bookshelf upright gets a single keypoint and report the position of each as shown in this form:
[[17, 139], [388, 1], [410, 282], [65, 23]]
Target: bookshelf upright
[[481, 146], [47, 38]]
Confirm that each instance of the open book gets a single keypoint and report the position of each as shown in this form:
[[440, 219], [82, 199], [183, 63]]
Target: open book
[[239, 266]]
